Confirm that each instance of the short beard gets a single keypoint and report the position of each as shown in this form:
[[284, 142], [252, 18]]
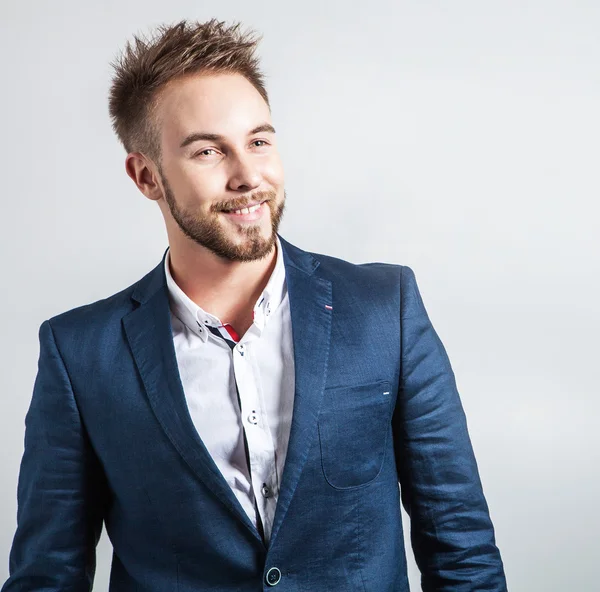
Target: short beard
[[209, 233]]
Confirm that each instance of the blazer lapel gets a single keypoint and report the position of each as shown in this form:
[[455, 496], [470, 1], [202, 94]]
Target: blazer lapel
[[148, 331], [310, 299], [150, 337]]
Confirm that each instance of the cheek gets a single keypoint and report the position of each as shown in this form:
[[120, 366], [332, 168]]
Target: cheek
[[199, 187], [274, 172]]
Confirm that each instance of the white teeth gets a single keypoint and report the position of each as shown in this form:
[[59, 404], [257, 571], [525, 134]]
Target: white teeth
[[247, 210]]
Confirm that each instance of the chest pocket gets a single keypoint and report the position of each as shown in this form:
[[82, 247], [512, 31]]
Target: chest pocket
[[353, 429]]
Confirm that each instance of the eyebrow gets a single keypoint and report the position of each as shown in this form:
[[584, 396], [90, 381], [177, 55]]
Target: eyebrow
[[197, 136]]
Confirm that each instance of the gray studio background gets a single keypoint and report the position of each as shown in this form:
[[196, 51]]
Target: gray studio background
[[458, 137]]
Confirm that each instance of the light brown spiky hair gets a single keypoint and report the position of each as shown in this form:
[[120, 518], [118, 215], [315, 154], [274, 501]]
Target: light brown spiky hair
[[147, 64]]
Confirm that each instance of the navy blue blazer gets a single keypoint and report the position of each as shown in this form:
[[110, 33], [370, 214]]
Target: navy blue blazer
[[109, 439]]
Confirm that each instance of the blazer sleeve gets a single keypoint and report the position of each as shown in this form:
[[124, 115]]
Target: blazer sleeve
[[451, 532], [59, 516]]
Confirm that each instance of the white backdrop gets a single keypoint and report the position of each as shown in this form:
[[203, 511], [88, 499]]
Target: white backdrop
[[460, 138]]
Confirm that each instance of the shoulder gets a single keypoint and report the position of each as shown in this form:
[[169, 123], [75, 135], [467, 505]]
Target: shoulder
[[94, 320], [87, 313], [377, 274], [375, 281]]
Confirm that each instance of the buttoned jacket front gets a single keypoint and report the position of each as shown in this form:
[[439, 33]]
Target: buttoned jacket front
[[109, 438]]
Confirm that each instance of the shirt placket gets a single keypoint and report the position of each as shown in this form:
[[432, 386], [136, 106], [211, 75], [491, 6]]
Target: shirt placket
[[261, 450]]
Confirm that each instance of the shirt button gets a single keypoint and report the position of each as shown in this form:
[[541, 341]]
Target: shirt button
[[253, 418], [265, 491], [273, 576]]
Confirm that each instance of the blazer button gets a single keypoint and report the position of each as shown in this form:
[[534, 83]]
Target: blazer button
[[273, 576]]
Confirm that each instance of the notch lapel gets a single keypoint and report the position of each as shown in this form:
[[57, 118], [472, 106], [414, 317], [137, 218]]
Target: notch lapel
[[150, 337], [309, 295]]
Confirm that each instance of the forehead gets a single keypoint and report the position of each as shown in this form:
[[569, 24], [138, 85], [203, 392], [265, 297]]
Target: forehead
[[225, 104]]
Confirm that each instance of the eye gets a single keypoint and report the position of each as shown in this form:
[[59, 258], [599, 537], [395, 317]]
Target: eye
[[205, 152], [264, 143]]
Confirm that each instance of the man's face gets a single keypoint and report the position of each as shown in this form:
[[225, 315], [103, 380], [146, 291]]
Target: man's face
[[219, 155]]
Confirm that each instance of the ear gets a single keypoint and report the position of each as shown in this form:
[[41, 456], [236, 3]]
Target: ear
[[144, 174]]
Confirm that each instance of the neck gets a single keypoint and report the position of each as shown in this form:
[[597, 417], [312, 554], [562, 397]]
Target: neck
[[226, 289]]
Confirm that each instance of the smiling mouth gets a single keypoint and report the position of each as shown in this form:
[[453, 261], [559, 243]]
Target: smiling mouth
[[247, 210]]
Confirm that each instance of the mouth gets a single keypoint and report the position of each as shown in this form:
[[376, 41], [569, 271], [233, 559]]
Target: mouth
[[248, 213], [246, 210]]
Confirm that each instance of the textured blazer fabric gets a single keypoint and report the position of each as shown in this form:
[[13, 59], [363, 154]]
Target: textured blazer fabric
[[109, 439]]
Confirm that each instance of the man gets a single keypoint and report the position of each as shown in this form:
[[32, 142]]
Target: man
[[240, 417]]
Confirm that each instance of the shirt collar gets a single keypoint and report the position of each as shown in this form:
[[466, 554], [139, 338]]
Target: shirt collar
[[196, 318]]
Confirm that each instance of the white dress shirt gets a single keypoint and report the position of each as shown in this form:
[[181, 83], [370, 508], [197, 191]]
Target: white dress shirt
[[262, 366]]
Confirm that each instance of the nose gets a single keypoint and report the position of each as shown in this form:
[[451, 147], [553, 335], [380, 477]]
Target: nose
[[245, 174]]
